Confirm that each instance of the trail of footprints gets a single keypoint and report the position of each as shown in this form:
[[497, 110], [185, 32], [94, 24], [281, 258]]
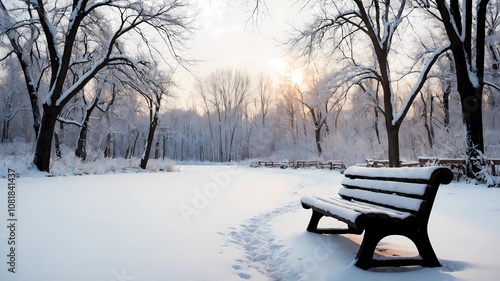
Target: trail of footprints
[[262, 253]]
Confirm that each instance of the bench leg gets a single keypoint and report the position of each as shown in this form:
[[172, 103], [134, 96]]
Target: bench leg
[[365, 253], [313, 223], [419, 237], [424, 247]]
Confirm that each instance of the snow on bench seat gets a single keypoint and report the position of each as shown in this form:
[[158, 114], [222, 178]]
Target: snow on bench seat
[[351, 210], [381, 199]]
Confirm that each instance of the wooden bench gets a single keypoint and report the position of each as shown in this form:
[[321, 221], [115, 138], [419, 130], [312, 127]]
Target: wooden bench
[[383, 202]]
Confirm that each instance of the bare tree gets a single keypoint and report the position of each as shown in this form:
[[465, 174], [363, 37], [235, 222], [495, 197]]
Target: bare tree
[[264, 91], [103, 81], [465, 25], [61, 27], [23, 37], [288, 103], [322, 101], [379, 22], [153, 86], [225, 94], [9, 110], [493, 36], [427, 100]]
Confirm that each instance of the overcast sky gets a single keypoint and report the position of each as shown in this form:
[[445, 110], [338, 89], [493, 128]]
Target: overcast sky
[[229, 39]]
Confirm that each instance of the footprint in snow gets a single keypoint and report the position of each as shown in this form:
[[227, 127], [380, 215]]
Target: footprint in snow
[[244, 275], [261, 250]]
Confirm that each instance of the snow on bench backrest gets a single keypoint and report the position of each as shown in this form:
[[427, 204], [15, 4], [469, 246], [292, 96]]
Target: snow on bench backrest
[[409, 174], [408, 189], [405, 189], [392, 201]]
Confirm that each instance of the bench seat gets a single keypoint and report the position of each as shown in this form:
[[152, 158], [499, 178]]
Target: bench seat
[[353, 212]]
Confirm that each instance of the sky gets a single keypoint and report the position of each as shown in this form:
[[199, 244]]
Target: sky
[[229, 39]]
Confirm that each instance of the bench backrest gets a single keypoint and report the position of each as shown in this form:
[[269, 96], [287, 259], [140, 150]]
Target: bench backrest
[[404, 189]]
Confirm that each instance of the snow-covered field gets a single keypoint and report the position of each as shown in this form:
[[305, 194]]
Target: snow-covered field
[[222, 223]]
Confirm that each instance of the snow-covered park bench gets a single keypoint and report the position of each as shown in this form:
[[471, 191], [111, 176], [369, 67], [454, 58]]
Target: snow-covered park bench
[[383, 202]]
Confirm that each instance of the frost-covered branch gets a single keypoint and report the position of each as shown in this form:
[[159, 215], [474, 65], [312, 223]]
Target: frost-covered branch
[[399, 116], [492, 85], [69, 121]]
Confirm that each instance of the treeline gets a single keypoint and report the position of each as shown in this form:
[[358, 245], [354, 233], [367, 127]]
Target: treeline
[[237, 116]]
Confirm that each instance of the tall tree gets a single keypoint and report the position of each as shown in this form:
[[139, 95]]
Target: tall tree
[[23, 37], [153, 86], [465, 25], [225, 94], [264, 91], [379, 21], [103, 83], [323, 100], [61, 27]]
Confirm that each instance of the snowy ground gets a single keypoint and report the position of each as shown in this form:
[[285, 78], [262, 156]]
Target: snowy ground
[[222, 223]]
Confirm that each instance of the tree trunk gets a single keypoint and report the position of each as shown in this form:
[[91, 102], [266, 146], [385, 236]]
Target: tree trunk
[[149, 142], [81, 148], [431, 117], [157, 149], [375, 125], [44, 142], [473, 121], [182, 149], [471, 99], [230, 156], [127, 151], [426, 119], [429, 133], [35, 110], [317, 134], [132, 149], [164, 152], [57, 144], [375, 122], [393, 145], [5, 130], [107, 145], [221, 159], [113, 145], [446, 105]]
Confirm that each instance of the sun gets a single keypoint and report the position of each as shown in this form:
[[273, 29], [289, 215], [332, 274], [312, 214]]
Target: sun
[[296, 76], [287, 72]]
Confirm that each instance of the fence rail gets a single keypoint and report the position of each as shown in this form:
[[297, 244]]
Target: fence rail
[[332, 165]]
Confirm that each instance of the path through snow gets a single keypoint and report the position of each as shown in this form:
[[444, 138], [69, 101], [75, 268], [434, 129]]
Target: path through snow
[[265, 257]]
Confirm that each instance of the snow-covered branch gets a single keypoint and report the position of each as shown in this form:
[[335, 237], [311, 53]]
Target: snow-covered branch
[[399, 116], [492, 85], [69, 121]]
